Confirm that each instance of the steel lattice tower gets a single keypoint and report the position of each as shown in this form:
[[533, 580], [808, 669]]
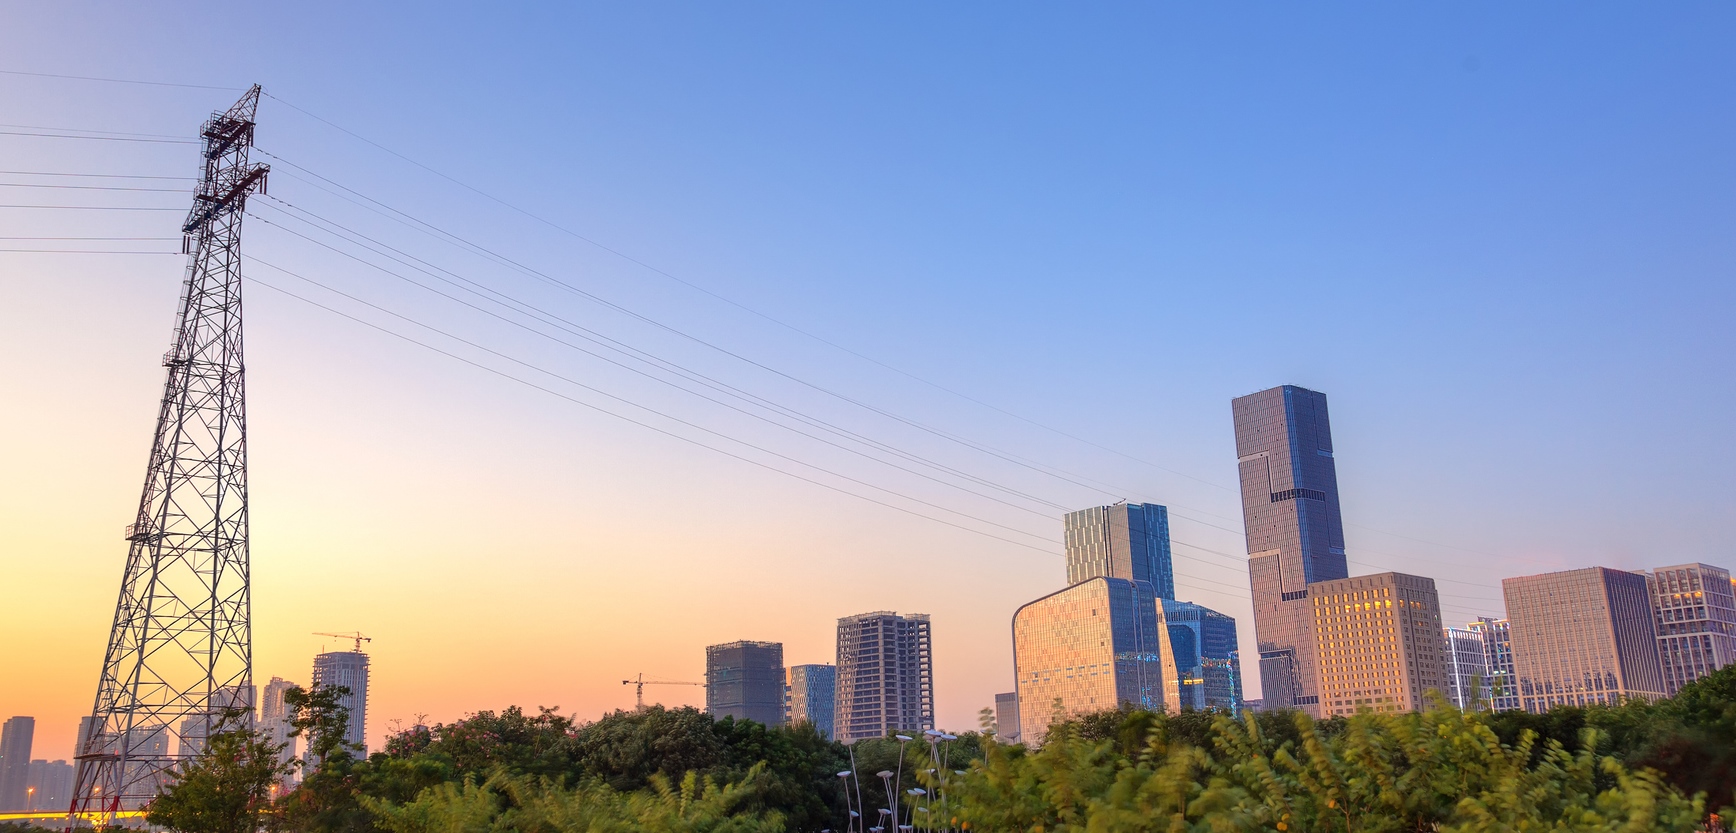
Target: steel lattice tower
[[181, 649]]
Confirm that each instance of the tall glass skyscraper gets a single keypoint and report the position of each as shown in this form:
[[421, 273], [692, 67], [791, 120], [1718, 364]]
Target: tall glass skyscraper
[[1295, 532], [1127, 541], [1091, 647]]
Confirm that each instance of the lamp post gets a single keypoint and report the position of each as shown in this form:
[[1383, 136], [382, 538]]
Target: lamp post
[[844, 779], [898, 780]]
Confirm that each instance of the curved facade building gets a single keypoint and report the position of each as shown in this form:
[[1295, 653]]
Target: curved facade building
[[1090, 647]]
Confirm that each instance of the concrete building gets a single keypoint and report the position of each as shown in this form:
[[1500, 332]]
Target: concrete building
[[1007, 717], [1378, 639], [1201, 668], [1295, 533], [812, 697], [1090, 647], [1128, 541], [16, 736], [885, 675], [1503, 687], [50, 786], [1694, 610], [274, 719], [745, 680], [350, 670], [1467, 668], [195, 729], [1582, 637]]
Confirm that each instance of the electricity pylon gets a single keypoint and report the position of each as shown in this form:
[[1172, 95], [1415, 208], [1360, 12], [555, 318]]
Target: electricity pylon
[[181, 649]]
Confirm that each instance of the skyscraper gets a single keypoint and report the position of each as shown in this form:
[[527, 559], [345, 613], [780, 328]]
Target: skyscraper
[[1468, 677], [1695, 614], [1090, 647], [1007, 717], [274, 718], [813, 696], [196, 728], [1198, 651], [1127, 541], [1294, 529], [745, 680], [1378, 643], [350, 670], [1497, 634], [885, 675], [1582, 637], [16, 736]]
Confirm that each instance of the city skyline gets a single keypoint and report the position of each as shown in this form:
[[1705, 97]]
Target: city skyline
[[959, 214]]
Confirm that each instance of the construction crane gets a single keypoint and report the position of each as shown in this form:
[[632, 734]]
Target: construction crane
[[357, 636], [640, 684]]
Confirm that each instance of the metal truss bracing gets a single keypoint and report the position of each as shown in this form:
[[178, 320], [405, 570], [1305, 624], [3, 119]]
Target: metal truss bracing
[[181, 649]]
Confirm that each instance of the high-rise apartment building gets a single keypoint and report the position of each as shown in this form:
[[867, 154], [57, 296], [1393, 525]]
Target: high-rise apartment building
[[1502, 687], [1378, 643], [1090, 647], [350, 670], [745, 680], [1198, 651], [1007, 717], [1467, 660], [813, 697], [1582, 637], [224, 701], [1127, 541], [1294, 529], [885, 675], [16, 736], [50, 786], [275, 717], [1694, 609]]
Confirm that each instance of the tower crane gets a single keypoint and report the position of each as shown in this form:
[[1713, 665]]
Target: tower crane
[[357, 636], [640, 684]]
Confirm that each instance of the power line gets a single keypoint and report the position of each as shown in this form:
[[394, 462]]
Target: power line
[[94, 207], [94, 187], [101, 138], [117, 80], [622, 348], [92, 130], [101, 176], [640, 423], [84, 252], [92, 238]]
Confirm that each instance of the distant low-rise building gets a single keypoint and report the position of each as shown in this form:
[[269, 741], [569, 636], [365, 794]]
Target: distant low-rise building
[[1583, 637], [1497, 635], [1201, 666], [1467, 668], [1007, 717], [1694, 610]]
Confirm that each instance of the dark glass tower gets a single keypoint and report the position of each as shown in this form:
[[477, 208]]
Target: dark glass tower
[[1295, 532]]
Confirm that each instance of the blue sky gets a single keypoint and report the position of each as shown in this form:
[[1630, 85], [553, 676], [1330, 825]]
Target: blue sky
[[1498, 238]]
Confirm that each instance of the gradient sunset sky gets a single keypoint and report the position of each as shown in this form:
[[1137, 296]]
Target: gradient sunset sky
[[1499, 238]]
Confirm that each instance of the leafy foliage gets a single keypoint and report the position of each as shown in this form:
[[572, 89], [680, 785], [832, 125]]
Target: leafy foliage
[[227, 787], [1440, 770]]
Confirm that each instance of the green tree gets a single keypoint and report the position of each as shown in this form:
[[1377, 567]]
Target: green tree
[[520, 804], [227, 787], [328, 799]]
